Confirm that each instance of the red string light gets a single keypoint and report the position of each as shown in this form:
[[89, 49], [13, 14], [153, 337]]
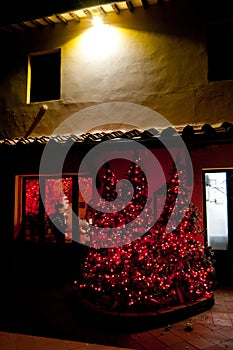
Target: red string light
[[158, 270]]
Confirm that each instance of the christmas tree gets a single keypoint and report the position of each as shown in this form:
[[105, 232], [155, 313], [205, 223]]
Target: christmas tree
[[113, 219], [152, 271]]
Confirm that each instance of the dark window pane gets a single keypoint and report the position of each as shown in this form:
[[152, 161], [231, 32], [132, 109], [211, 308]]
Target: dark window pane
[[45, 77], [220, 55]]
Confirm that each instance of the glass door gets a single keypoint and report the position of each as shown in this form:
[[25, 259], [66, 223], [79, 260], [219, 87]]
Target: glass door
[[216, 208]]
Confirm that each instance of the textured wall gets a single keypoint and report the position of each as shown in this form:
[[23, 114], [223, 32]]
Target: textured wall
[[154, 58]]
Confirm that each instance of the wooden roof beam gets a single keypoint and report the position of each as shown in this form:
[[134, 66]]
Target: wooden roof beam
[[36, 23], [74, 16], [49, 21], [24, 26], [116, 8], [87, 13], [130, 5], [62, 18]]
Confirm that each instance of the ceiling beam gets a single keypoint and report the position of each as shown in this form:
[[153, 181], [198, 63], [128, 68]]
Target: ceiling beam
[[87, 13], [11, 27], [74, 16], [130, 5], [116, 9], [101, 10], [24, 26], [62, 18], [36, 23], [49, 21]]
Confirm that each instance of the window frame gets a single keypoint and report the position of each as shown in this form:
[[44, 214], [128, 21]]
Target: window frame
[[219, 51], [229, 189], [20, 203], [30, 75]]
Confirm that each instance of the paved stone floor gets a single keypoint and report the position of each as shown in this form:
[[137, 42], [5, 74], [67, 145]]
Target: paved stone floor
[[209, 330]]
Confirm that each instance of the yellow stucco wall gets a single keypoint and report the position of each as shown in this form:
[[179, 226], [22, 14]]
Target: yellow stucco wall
[[155, 58]]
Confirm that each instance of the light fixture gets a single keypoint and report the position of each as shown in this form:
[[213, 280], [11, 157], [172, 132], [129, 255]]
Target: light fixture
[[97, 21], [97, 18]]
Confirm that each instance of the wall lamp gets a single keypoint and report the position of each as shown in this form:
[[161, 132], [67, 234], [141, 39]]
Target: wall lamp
[[96, 17]]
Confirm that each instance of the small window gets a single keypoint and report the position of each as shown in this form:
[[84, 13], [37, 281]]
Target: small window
[[220, 54], [44, 76]]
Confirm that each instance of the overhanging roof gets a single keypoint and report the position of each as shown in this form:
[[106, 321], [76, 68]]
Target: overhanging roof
[[206, 134], [23, 15], [40, 14]]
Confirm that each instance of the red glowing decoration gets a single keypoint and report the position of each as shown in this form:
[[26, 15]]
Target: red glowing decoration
[[160, 269]]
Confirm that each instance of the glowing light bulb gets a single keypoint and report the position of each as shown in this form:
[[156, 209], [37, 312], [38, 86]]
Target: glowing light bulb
[[97, 21]]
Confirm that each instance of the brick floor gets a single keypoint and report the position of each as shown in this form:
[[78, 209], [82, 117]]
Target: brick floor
[[210, 330]]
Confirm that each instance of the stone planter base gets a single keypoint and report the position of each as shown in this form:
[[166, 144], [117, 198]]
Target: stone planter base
[[155, 318]]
